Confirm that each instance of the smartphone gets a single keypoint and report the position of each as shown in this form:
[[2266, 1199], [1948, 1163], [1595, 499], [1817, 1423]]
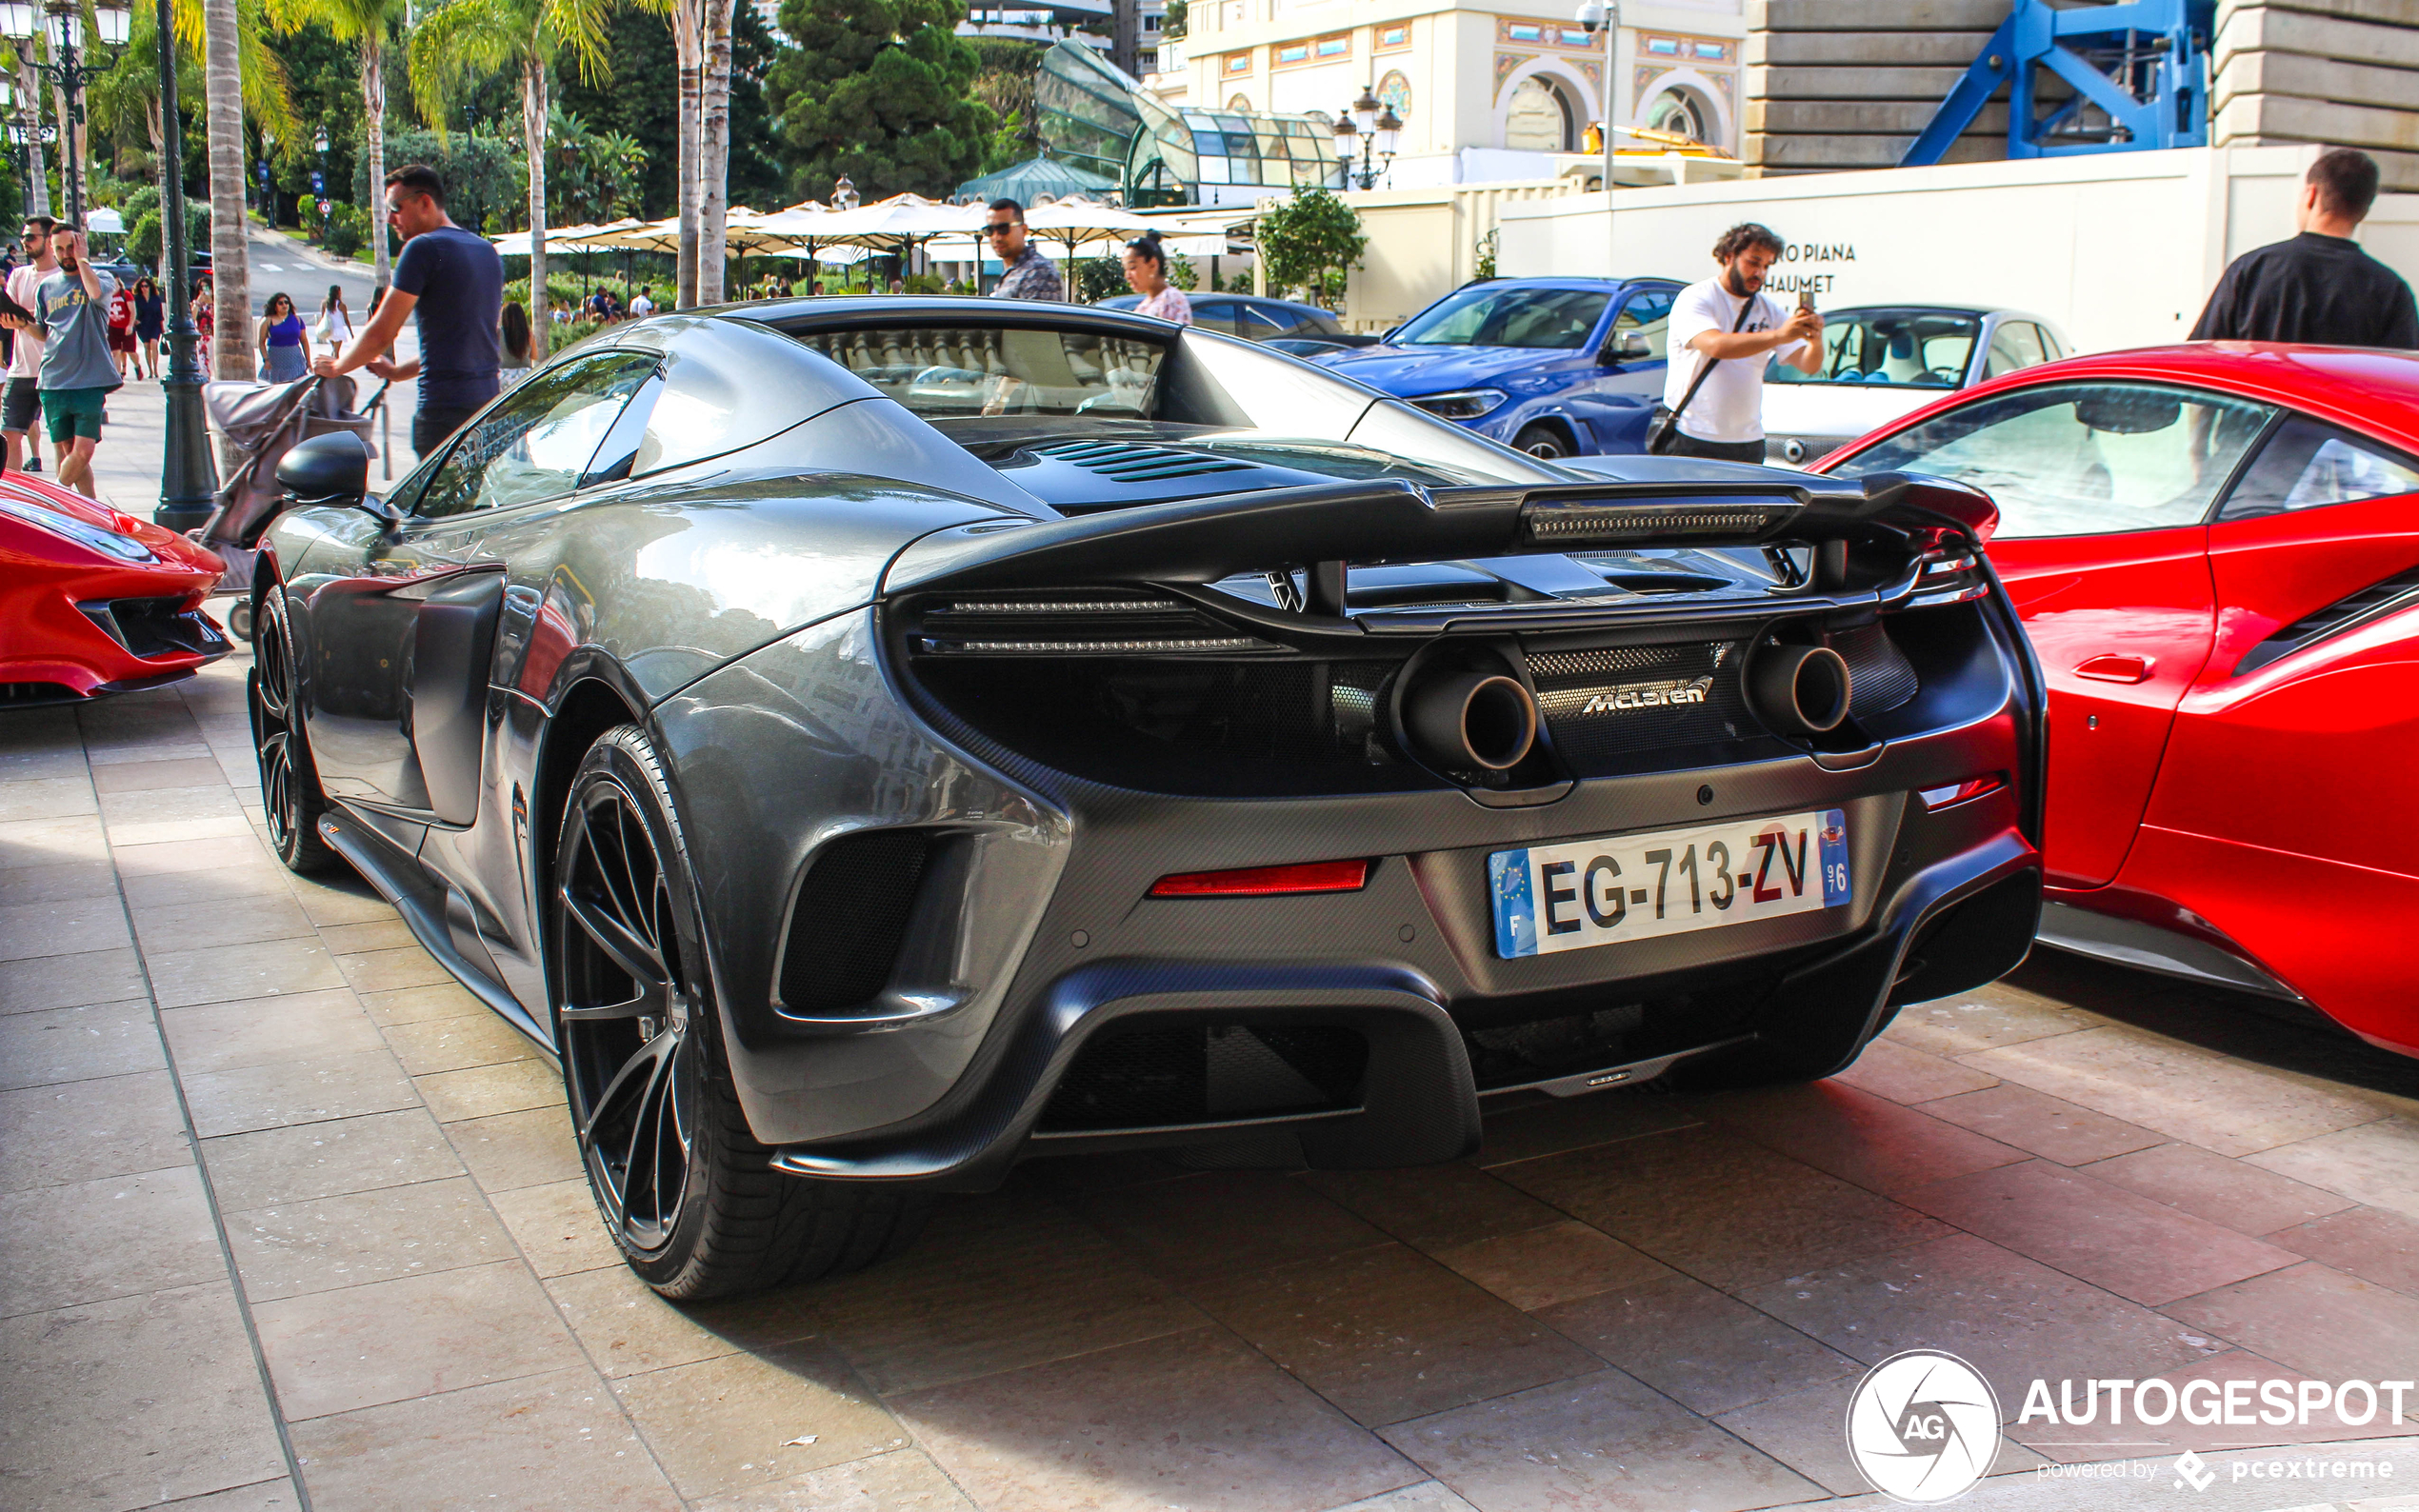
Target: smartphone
[[1806, 299]]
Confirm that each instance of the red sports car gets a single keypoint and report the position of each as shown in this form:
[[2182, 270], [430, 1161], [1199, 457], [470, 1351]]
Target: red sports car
[[2216, 550], [93, 600]]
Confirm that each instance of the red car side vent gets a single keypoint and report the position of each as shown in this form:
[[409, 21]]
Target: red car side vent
[[1266, 881]]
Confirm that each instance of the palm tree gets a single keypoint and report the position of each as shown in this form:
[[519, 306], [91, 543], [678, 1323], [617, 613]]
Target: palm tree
[[370, 25], [469, 40], [713, 154], [238, 69], [30, 90], [688, 21], [229, 256]]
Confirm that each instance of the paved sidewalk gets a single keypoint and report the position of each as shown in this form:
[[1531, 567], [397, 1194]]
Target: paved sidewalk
[[277, 1199]]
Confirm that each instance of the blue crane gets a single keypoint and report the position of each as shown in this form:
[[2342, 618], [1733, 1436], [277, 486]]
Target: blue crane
[[2139, 70]]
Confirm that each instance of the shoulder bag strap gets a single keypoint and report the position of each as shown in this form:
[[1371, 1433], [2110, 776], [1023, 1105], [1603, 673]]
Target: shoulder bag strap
[[1707, 370]]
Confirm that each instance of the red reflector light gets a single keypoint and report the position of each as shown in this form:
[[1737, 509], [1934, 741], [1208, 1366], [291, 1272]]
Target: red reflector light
[[1265, 882], [1960, 792]]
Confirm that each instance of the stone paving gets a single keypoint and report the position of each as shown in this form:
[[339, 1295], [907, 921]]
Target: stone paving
[[277, 1199]]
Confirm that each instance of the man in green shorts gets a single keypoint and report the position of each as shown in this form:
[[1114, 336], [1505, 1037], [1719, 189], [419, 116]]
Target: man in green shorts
[[77, 371]]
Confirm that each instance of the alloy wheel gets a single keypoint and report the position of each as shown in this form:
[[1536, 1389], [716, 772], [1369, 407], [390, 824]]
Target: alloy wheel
[[281, 798], [626, 1016]]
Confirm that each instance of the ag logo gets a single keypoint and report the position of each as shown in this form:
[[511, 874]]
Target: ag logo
[[1923, 1427]]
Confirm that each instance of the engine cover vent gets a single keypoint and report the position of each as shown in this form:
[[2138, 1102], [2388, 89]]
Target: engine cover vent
[[1123, 462]]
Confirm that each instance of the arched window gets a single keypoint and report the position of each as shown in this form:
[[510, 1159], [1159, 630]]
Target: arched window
[[1240, 102], [1539, 120], [1680, 111]]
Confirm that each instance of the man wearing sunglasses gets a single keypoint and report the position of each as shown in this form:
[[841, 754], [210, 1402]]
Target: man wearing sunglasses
[[453, 282], [1028, 275]]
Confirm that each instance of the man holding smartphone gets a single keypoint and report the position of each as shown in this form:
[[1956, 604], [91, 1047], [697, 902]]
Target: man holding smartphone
[[1730, 329]]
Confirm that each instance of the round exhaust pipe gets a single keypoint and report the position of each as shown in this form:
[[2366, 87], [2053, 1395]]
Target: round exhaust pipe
[[1473, 720], [1799, 689]]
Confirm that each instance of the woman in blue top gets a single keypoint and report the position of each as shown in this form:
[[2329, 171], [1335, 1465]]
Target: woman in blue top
[[285, 346]]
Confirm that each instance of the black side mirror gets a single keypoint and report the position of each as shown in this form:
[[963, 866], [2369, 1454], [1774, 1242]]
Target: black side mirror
[[1627, 346], [333, 469]]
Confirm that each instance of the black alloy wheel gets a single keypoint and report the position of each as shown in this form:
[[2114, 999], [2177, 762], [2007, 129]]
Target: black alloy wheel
[[628, 1001], [1542, 441], [683, 1185], [289, 793]]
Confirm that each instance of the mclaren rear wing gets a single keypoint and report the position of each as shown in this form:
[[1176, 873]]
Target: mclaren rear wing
[[1867, 531]]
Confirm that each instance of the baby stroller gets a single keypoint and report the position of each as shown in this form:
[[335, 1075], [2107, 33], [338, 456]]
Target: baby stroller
[[257, 423]]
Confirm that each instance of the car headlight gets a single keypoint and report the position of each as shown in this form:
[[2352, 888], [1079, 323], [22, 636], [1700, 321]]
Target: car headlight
[[1462, 404], [109, 543]]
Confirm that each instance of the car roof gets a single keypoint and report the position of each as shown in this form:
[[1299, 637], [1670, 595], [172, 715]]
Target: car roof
[[1569, 281], [2364, 389], [1919, 309]]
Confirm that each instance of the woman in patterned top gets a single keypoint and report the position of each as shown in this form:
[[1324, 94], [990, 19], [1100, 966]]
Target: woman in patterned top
[[1146, 274]]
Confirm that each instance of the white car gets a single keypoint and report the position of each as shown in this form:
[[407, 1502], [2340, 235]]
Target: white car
[[1883, 360]]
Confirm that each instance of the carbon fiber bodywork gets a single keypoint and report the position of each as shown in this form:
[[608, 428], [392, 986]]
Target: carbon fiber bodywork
[[935, 734]]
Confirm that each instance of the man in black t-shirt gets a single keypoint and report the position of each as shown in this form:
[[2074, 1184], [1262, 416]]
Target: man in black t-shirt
[[453, 282], [2320, 287]]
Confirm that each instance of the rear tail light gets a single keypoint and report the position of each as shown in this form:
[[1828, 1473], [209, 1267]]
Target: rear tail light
[[1266, 881], [1956, 793]]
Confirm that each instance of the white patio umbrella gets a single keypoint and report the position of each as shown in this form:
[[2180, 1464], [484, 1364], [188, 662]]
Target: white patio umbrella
[[900, 223], [1074, 223]]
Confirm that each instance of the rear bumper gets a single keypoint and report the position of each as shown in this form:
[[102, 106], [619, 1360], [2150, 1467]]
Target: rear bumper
[[1941, 922], [1031, 929]]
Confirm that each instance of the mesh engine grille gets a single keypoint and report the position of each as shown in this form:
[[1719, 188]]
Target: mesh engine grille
[[1149, 1074], [851, 914], [1183, 726]]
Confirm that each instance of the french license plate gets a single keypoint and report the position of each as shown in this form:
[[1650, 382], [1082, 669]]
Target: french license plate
[[1594, 892]]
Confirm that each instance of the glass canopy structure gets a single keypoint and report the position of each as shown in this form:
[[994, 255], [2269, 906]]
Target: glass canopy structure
[[1097, 118]]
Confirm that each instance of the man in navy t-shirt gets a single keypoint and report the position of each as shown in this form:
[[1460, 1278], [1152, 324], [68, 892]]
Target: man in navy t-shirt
[[453, 282]]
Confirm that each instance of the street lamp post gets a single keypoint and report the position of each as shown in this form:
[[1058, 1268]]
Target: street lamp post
[[1605, 16], [188, 481], [20, 20], [1377, 128]]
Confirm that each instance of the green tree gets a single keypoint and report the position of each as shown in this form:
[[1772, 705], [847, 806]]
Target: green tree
[[1172, 24], [475, 39], [641, 46], [1308, 242], [482, 172], [879, 91], [368, 27]]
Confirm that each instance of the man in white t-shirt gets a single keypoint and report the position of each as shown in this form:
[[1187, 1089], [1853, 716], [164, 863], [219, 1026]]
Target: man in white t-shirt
[[640, 306], [1725, 419], [21, 404]]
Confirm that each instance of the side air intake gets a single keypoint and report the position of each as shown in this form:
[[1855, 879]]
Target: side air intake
[[851, 914], [2379, 598]]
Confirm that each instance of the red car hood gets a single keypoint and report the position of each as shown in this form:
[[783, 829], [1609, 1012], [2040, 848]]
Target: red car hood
[[166, 544]]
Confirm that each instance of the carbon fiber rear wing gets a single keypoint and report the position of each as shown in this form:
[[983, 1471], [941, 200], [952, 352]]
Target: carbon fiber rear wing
[[1325, 527]]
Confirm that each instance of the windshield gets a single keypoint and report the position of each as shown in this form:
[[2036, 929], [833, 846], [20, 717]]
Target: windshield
[[1491, 315], [1916, 350], [2082, 459]]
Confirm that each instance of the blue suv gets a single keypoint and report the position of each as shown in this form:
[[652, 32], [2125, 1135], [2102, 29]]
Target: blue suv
[[1556, 367]]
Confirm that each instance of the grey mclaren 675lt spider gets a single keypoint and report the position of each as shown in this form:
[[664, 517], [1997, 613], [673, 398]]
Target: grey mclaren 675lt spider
[[871, 742]]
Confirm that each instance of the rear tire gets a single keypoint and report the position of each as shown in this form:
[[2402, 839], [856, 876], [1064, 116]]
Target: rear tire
[[685, 1189], [1544, 442], [289, 792]]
